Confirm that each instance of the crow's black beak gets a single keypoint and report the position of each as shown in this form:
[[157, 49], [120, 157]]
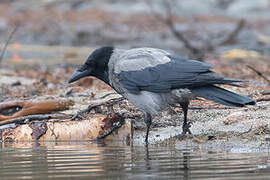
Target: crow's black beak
[[78, 75]]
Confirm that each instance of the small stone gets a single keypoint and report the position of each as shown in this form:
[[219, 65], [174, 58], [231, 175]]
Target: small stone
[[234, 118], [17, 83], [198, 140], [50, 86]]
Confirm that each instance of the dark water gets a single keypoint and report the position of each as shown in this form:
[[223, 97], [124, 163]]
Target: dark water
[[87, 160]]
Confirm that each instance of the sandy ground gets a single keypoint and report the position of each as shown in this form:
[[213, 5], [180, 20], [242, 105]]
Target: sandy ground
[[217, 129]]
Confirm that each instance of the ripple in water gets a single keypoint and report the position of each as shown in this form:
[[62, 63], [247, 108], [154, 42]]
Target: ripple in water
[[98, 161]]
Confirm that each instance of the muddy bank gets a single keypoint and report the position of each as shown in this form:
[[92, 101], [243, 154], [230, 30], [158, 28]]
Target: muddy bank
[[217, 128]]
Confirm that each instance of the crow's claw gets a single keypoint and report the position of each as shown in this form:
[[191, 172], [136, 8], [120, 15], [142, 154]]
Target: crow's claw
[[186, 127]]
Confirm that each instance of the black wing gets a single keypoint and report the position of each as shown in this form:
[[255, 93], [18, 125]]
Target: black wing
[[178, 73]]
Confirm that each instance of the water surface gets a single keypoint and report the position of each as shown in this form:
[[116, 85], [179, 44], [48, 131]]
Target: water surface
[[90, 160]]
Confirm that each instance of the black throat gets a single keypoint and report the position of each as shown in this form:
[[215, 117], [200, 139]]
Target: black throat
[[102, 57], [104, 76]]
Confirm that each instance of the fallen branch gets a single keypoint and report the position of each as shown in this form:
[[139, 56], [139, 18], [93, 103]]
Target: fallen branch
[[21, 120], [14, 109], [259, 73]]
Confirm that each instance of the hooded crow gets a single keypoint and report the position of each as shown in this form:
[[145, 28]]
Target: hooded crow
[[154, 79]]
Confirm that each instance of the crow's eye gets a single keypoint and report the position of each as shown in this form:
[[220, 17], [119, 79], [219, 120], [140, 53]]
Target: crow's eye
[[89, 63]]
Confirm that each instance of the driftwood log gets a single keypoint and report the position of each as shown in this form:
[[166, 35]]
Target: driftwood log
[[112, 127], [14, 109]]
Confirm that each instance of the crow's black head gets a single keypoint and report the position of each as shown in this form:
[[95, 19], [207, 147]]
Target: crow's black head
[[95, 65]]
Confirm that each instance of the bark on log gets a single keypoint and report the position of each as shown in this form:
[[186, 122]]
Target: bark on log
[[88, 129]]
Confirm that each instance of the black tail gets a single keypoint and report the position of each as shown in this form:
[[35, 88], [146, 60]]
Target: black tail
[[222, 96], [232, 82]]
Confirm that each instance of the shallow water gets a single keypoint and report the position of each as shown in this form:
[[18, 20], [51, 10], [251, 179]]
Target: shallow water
[[90, 160]]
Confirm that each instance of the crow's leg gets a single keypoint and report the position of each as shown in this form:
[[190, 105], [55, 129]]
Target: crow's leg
[[186, 125], [148, 122]]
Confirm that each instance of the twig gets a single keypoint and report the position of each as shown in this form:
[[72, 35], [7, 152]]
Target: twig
[[106, 95], [231, 37], [114, 127], [168, 20], [34, 117], [265, 92], [263, 99], [248, 131], [259, 73], [7, 42], [176, 33], [109, 132], [93, 106]]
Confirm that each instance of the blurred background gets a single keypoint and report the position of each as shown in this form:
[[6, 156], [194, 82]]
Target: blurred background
[[193, 28]]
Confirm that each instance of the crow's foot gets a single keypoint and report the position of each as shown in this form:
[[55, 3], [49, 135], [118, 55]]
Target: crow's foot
[[186, 127]]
